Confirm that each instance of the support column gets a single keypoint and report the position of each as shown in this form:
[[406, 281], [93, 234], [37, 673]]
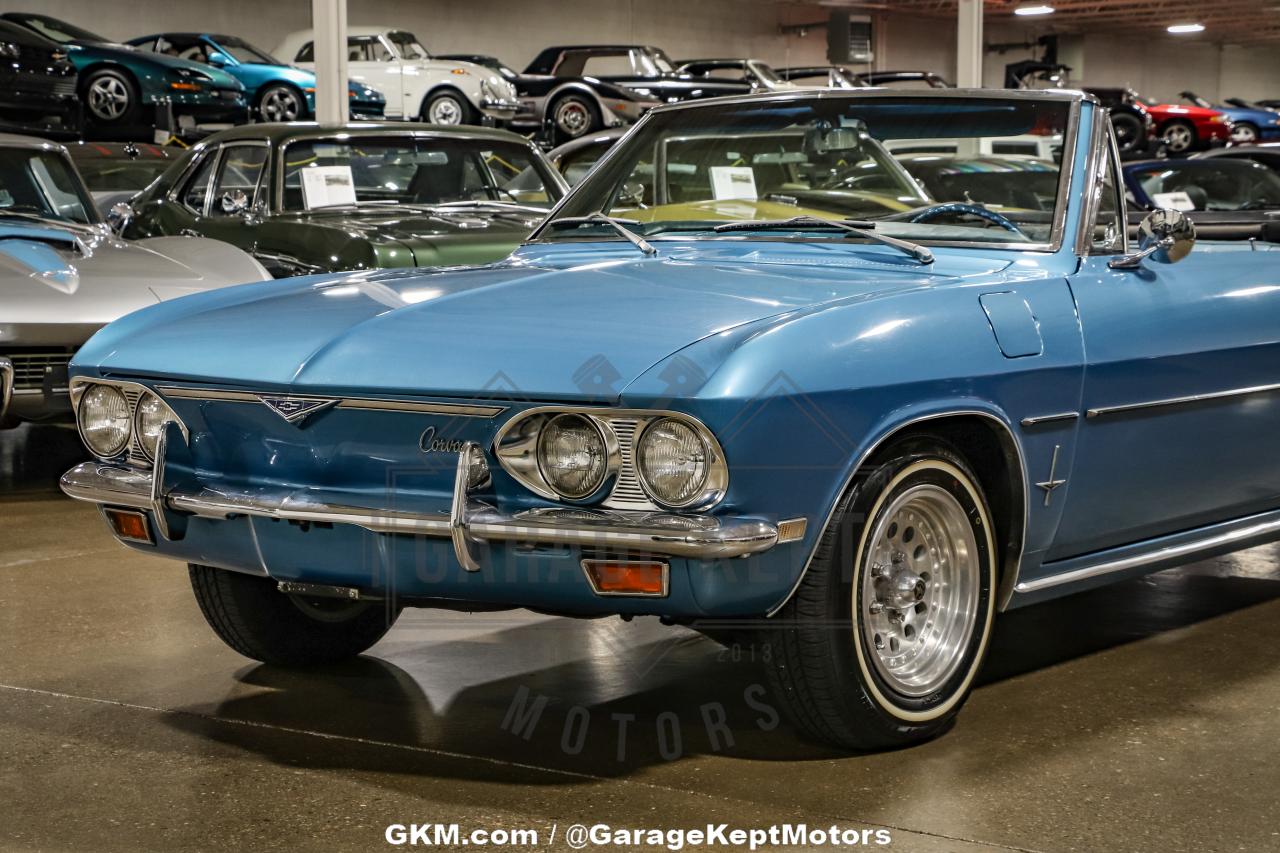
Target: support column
[[329, 19], [969, 44]]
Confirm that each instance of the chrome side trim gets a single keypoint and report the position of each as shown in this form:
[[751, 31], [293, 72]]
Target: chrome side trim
[[382, 404], [1010, 572], [1161, 555], [700, 537], [6, 385], [1103, 411], [1037, 420]]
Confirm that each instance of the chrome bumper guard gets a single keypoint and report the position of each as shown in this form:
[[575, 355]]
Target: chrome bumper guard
[[611, 531], [6, 385]]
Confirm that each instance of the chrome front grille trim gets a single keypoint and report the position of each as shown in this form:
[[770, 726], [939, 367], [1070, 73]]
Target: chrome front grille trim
[[381, 404]]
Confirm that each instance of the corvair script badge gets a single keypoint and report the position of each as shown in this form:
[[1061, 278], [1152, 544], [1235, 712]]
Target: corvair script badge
[[430, 444]]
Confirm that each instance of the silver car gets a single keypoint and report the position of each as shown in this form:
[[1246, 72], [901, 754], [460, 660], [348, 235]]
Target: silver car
[[64, 275]]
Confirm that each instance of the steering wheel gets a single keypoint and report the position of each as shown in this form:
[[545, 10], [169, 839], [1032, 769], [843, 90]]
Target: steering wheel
[[936, 210]]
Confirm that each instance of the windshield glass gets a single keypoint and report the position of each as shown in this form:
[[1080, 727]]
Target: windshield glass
[[242, 51], [408, 45], [42, 184], [59, 31], [766, 73], [375, 171], [689, 169], [653, 62], [1217, 184]]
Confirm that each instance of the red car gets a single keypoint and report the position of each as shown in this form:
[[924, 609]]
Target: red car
[[1183, 128]]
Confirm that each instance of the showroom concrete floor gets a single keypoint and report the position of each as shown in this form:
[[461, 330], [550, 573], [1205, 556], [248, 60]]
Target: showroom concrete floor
[[1139, 717]]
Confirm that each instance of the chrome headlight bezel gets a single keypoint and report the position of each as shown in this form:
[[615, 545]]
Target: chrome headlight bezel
[[133, 452], [516, 445]]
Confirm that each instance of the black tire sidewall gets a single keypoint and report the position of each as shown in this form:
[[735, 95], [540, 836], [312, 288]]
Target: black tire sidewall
[[299, 98]]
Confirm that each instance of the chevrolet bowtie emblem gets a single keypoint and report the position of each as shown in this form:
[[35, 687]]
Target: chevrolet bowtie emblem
[[295, 410]]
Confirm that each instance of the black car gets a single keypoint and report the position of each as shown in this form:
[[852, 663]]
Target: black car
[[823, 76], [646, 71], [760, 76], [905, 79], [37, 83], [565, 107], [1134, 125]]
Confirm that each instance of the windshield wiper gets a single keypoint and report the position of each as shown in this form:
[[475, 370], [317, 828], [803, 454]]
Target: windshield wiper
[[487, 204], [619, 225], [857, 227]]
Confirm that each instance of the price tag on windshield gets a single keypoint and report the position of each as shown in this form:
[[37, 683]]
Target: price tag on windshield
[[327, 186]]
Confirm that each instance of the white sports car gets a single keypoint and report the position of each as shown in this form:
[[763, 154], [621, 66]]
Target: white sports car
[[417, 87], [64, 275]]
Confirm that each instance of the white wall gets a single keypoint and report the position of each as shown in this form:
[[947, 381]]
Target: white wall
[[514, 30]]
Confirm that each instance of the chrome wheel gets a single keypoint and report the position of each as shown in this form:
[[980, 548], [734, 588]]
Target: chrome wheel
[[280, 104], [445, 109], [1244, 134], [572, 117], [109, 97], [920, 590], [1179, 137]]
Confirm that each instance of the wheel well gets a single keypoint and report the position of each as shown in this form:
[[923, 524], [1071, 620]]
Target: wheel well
[[1182, 121], [991, 450], [83, 77]]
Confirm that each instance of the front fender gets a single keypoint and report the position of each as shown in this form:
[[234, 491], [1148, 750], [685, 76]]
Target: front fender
[[221, 262]]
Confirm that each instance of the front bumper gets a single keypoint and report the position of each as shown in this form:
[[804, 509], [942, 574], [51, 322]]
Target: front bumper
[[466, 523], [503, 109]]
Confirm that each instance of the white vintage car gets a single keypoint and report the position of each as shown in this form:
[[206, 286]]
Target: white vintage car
[[417, 87]]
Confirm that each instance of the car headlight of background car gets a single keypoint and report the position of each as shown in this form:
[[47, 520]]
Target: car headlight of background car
[[618, 458]]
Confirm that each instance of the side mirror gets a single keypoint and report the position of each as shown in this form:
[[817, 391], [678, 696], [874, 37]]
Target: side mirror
[[218, 60], [1166, 236], [233, 202], [119, 216], [632, 194]]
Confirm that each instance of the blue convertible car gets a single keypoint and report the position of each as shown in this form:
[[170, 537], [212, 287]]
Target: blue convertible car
[[748, 373]]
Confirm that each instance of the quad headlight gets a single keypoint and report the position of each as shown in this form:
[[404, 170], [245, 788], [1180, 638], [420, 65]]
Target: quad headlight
[[673, 462], [148, 422], [103, 417], [572, 456]]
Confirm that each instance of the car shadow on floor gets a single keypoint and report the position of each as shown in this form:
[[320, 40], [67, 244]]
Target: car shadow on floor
[[622, 709]]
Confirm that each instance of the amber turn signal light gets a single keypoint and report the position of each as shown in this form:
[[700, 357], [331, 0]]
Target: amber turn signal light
[[129, 524], [627, 577]]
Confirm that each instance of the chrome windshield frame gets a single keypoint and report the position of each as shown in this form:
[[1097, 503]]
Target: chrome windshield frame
[[1063, 205]]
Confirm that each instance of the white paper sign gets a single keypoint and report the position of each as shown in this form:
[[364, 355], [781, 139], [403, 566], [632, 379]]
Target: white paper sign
[[733, 182], [1176, 200], [326, 186]]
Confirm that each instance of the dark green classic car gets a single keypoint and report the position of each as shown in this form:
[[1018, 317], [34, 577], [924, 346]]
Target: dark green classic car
[[304, 198]]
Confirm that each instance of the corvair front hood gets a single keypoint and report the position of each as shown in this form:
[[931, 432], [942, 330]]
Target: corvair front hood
[[563, 322]]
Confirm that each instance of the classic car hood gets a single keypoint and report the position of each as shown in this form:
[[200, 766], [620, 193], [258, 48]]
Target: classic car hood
[[46, 278], [570, 321], [434, 238]]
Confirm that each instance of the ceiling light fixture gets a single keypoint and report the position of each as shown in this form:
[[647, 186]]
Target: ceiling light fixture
[[1041, 9], [1179, 29]]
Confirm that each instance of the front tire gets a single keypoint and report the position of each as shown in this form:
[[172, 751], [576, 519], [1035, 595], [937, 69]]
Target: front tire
[[252, 617], [448, 108], [879, 646], [1179, 137], [281, 103], [112, 98], [573, 116], [1130, 132], [1244, 133]]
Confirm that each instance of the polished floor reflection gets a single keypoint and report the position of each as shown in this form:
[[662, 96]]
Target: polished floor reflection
[[1138, 717]]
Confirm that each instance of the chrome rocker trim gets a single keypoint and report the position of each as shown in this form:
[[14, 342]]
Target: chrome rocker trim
[[614, 531]]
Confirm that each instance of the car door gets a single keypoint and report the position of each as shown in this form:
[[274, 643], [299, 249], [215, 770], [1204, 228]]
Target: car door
[[371, 60], [1181, 398], [232, 210]]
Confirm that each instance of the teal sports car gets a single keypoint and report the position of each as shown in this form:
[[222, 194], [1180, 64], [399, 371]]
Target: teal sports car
[[120, 85], [275, 90]]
